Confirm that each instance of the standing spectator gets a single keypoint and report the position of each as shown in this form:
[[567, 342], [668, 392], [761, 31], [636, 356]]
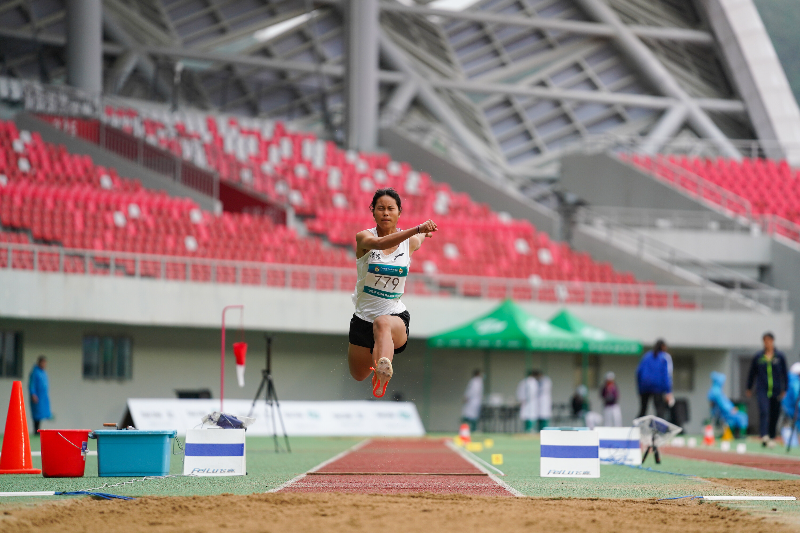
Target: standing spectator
[[473, 397], [612, 413], [39, 389], [768, 374], [581, 408], [528, 398], [580, 403], [654, 379], [545, 410]]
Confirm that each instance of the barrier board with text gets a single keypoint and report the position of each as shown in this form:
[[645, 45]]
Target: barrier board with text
[[351, 418]]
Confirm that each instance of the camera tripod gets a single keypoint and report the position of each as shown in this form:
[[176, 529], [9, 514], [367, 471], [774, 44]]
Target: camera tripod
[[271, 398]]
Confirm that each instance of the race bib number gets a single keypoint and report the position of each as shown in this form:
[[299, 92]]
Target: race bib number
[[385, 281]]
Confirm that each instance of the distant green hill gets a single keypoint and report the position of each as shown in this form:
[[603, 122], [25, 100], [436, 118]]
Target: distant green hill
[[782, 20]]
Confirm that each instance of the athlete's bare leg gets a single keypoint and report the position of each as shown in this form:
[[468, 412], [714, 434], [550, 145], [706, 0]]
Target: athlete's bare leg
[[360, 360], [389, 331]]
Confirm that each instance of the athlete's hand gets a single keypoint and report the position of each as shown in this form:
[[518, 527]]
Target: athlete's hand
[[428, 227]]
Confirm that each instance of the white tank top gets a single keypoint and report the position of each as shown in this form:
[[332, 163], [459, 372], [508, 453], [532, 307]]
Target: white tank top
[[381, 281]]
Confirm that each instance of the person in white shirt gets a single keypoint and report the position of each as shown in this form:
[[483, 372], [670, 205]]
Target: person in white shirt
[[473, 398], [545, 411], [528, 398]]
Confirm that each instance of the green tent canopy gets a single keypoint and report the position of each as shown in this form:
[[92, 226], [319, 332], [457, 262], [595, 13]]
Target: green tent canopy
[[596, 340], [509, 327]]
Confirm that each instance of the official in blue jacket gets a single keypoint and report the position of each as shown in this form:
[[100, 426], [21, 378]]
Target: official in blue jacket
[[654, 379], [769, 376], [39, 388]]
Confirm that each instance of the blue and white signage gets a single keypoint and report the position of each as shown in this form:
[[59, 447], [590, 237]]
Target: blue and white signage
[[215, 452], [620, 445], [569, 452]]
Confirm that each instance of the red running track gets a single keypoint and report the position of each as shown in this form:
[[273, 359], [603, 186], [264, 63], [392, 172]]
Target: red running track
[[400, 467], [772, 463]]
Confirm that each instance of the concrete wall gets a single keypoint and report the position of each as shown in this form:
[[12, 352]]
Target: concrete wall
[[734, 249], [501, 197], [603, 180], [141, 302], [305, 367], [124, 167]]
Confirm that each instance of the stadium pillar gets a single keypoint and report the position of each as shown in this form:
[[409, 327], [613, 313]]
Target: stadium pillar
[[85, 45], [362, 20]]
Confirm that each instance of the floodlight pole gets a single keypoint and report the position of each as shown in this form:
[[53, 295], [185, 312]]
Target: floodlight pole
[[222, 354]]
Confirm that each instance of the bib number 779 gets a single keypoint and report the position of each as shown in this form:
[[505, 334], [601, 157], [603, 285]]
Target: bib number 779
[[389, 279]]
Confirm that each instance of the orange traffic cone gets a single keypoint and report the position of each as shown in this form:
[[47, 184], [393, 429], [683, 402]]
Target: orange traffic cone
[[708, 435], [463, 433], [16, 455]]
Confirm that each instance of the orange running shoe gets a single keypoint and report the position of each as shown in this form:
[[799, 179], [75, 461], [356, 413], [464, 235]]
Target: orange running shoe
[[382, 374]]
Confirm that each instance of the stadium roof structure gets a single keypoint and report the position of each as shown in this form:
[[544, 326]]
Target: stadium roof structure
[[511, 84]]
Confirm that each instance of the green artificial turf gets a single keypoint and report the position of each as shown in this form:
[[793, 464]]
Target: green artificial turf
[[521, 466], [265, 470]]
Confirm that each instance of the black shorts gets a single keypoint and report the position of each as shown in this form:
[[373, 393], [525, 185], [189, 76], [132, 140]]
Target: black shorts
[[361, 332]]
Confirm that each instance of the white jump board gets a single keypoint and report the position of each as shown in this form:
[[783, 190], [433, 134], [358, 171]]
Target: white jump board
[[569, 453], [215, 452], [620, 445], [312, 419]]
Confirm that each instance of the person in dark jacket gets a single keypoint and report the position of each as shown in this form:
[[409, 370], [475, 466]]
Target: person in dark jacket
[[769, 375], [654, 379]]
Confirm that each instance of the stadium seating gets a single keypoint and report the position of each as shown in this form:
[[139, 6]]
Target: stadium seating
[[65, 199], [771, 187], [332, 188]]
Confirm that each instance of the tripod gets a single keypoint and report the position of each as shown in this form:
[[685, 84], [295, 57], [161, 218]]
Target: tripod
[[271, 398], [652, 446]]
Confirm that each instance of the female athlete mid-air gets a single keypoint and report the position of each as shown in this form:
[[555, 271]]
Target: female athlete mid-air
[[379, 327]]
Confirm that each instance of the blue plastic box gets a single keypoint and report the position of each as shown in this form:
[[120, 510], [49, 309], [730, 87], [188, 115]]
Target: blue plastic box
[[133, 452]]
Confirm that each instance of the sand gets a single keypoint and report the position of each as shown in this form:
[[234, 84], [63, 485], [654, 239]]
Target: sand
[[352, 513]]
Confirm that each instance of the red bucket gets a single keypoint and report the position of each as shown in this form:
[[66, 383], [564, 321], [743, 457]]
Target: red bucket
[[62, 452]]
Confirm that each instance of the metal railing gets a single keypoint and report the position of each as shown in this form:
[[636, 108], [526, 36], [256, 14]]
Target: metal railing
[[715, 197], [36, 258], [696, 187], [670, 219], [675, 261], [687, 146], [137, 149]]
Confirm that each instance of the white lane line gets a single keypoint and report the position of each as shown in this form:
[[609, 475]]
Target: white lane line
[[323, 464], [748, 498], [482, 468]]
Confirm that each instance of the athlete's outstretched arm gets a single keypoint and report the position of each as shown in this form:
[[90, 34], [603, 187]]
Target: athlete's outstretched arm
[[367, 241], [418, 239]]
